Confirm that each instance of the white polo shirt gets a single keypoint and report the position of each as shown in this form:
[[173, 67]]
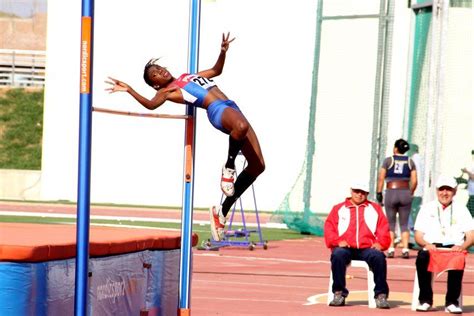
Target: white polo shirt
[[446, 226]]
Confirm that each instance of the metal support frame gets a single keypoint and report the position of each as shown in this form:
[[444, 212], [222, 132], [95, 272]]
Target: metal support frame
[[238, 237]]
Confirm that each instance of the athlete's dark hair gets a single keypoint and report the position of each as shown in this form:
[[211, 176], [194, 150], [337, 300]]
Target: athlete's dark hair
[[402, 146], [149, 64]]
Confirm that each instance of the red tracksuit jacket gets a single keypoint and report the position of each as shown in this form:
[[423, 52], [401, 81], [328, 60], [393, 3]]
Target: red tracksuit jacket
[[359, 225]]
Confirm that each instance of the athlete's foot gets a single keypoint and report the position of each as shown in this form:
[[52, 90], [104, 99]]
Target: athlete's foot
[[227, 181], [217, 221]]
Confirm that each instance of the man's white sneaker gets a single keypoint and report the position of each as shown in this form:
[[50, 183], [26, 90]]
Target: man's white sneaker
[[217, 221], [425, 307], [453, 309], [227, 181]]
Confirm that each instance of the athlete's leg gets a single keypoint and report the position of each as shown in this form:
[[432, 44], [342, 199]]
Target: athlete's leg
[[253, 153], [235, 123], [232, 122], [255, 166], [226, 117], [403, 216], [391, 210], [237, 126]]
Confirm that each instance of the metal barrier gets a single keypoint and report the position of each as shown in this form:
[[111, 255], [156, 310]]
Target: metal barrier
[[22, 68]]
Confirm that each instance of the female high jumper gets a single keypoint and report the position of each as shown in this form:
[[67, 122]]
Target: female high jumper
[[201, 91]]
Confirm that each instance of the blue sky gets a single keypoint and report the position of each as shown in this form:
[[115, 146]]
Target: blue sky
[[23, 8]]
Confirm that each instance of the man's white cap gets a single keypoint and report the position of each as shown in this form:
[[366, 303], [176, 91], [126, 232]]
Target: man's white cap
[[445, 181], [360, 185]]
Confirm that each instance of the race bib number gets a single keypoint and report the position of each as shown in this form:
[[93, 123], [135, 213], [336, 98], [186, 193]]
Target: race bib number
[[205, 83], [398, 167]]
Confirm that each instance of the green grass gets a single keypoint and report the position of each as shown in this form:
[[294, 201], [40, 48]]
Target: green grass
[[164, 207], [203, 231], [21, 128]]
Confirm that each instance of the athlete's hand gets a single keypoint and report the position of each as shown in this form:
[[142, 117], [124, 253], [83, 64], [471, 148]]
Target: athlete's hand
[[225, 42], [116, 85], [379, 197]]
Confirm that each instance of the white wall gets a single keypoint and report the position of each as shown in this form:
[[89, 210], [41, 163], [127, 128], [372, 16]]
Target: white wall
[[140, 161], [268, 73], [20, 184]]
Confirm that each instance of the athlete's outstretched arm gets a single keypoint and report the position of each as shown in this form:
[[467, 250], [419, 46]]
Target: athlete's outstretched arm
[[160, 97], [216, 70]]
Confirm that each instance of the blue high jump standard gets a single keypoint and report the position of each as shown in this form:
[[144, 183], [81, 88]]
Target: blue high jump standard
[[84, 172]]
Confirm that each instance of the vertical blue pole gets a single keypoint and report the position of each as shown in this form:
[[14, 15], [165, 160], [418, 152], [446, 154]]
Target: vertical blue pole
[[188, 190], [85, 133]]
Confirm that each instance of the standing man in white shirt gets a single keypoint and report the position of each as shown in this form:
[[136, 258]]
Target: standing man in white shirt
[[442, 223]]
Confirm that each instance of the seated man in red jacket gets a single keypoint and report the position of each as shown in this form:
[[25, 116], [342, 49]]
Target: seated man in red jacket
[[357, 229]]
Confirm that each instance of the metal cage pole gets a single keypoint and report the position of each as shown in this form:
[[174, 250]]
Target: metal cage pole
[[85, 133], [188, 186]]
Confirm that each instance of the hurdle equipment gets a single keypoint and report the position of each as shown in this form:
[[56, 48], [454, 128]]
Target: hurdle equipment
[[239, 237]]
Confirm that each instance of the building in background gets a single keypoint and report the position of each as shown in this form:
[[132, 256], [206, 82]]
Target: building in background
[[22, 43]]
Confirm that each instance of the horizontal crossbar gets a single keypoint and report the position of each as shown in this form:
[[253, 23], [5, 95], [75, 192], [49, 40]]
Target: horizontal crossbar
[[152, 115]]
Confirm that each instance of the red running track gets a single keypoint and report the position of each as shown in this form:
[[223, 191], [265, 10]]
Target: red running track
[[289, 278], [292, 278]]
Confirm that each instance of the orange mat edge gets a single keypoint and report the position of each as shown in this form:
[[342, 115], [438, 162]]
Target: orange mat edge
[[26, 242]]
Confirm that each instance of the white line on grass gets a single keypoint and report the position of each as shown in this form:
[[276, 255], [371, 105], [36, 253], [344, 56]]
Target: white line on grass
[[130, 218]]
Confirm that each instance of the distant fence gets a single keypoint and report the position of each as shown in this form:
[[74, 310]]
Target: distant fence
[[22, 68]]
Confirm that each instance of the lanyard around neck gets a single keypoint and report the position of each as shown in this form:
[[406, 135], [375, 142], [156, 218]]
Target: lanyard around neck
[[450, 218]]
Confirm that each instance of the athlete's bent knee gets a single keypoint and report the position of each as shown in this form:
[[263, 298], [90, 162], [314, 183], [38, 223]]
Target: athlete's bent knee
[[240, 129]]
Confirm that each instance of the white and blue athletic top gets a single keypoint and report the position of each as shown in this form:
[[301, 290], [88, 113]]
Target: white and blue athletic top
[[194, 88]]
